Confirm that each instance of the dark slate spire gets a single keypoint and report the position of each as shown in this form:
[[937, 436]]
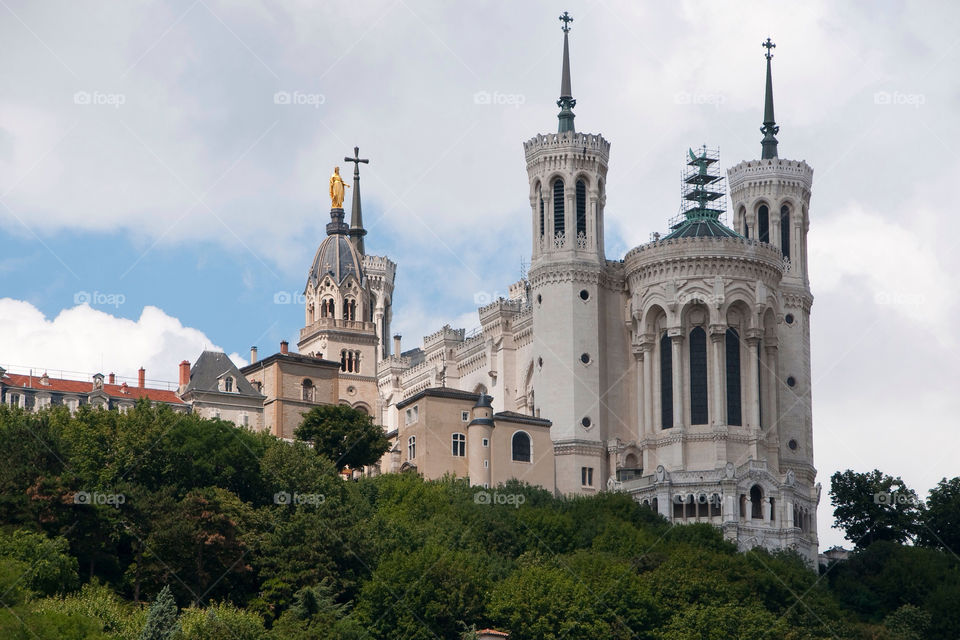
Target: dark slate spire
[[356, 216], [769, 128], [566, 101]]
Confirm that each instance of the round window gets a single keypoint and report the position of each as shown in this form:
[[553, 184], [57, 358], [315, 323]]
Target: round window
[[791, 381], [793, 445], [584, 294], [586, 422], [585, 358], [789, 318]]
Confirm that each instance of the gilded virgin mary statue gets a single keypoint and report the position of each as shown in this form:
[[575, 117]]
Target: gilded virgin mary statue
[[337, 187]]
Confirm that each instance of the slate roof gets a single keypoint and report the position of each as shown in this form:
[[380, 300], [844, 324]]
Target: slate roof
[[701, 228], [210, 367], [336, 257]]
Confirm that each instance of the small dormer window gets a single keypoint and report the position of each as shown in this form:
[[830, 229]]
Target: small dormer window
[[228, 384]]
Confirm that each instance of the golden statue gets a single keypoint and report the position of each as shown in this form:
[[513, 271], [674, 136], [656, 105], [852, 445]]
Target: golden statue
[[337, 186]]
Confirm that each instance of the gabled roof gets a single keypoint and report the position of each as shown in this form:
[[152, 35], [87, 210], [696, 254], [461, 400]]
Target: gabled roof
[[210, 368], [83, 387]]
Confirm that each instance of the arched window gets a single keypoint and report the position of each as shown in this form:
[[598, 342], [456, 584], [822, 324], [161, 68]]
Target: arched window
[[411, 447], [349, 309], [520, 447], [666, 382], [228, 384], [733, 377], [558, 223], [773, 510], [698, 376], [543, 227], [306, 390], [581, 207], [326, 308], [756, 502], [743, 506], [763, 224], [459, 445], [785, 231]]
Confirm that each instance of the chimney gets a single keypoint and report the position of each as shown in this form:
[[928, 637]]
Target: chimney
[[253, 355], [112, 379], [142, 378], [284, 347], [396, 344], [184, 374]]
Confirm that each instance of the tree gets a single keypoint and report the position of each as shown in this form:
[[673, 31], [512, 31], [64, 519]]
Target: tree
[[941, 518], [345, 435], [873, 506], [162, 621], [52, 570]]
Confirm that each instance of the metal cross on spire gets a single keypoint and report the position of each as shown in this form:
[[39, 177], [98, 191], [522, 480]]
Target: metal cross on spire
[[356, 160], [566, 20], [356, 216], [769, 45]]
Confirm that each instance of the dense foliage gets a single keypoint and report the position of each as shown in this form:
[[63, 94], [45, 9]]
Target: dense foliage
[[153, 524]]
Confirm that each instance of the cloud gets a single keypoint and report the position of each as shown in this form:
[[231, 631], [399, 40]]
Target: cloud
[[83, 339], [896, 268]]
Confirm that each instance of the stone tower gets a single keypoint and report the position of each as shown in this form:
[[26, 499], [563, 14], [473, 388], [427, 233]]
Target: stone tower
[[567, 173], [771, 203], [348, 305]]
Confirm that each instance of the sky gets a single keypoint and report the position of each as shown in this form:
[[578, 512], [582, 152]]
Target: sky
[[164, 166]]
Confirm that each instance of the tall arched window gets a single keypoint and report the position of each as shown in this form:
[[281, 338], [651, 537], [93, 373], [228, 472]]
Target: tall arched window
[[307, 390], [763, 224], [666, 382], [520, 447], [698, 376], [581, 207], [756, 502], [733, 377], [411, 447], [785, 231], [558, 223], [543, 228], [326, 308], [349, 309]]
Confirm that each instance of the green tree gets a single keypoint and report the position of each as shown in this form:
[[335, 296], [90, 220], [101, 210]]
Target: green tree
[[908, 623], [941, 518], [345, 435], [51, 568], [873, 506], [162, 621]]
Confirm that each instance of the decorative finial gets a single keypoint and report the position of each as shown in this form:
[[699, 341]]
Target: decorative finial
[[769, 45], [566, 101], [769, 129]]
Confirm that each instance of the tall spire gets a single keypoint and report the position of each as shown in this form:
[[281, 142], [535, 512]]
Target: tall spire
[[769, 128], [356, 216], [566, 101]]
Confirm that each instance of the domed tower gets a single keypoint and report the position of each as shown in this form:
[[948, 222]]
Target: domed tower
[[567, 171], [348, 305], [771, 203]]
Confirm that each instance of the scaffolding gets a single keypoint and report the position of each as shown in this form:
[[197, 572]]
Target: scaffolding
[[702, 188]]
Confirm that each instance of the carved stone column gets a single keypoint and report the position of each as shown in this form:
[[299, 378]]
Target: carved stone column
[[676, 356], [718, 334], [772, 377], [752, 378]]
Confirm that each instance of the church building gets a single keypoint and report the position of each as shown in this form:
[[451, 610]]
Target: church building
[[678, 373]]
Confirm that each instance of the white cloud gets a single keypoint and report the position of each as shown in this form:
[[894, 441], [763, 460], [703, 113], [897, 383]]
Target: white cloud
[[83, 339]]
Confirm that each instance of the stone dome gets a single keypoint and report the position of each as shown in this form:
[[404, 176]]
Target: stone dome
[[336, 257]]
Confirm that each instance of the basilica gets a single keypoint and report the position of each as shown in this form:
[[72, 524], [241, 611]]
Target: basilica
[[678, 373]]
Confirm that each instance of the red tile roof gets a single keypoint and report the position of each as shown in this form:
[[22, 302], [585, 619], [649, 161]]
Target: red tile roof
[[81, 386]]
